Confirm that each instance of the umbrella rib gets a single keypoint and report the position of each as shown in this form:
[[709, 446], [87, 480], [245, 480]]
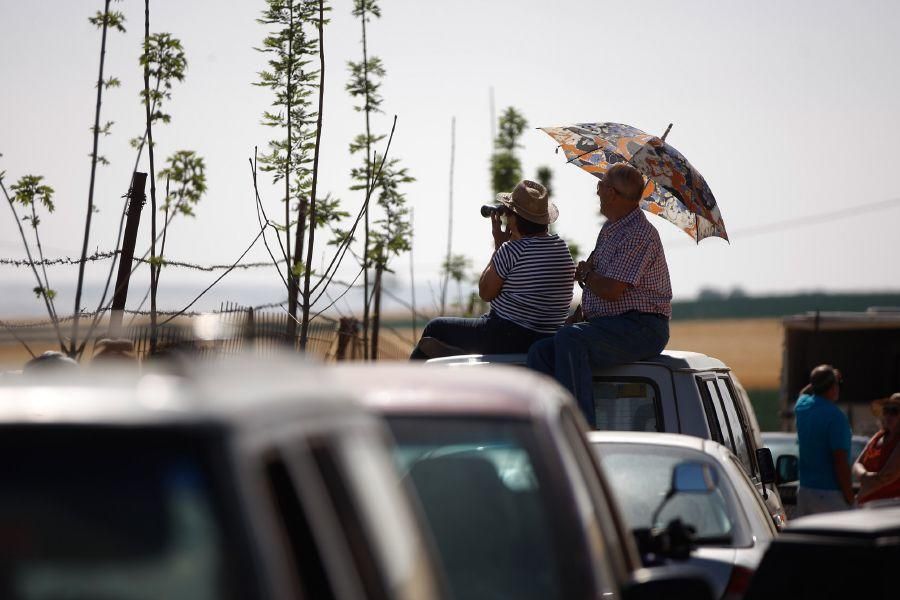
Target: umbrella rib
[[582, 154]]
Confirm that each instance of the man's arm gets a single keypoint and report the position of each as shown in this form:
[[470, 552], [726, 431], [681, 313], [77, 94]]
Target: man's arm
[[842, 473], [603, 287]]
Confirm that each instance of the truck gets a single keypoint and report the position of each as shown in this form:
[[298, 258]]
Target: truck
[[864, 346]]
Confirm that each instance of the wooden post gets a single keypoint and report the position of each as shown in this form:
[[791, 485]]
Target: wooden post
[[348, 329], [376, 313], [136, 200]]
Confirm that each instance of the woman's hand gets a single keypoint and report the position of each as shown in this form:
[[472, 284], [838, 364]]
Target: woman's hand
[[500, 236]]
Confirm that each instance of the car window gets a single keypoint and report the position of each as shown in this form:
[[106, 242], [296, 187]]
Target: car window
[[371, 479], [629, 405], [80, 521], [738, 428], [714, 413], [348, 514], [310, 569], [641, 475], [503, 523], [613, 531]]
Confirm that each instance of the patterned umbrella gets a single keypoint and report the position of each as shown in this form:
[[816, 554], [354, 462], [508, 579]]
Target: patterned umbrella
[[674, 190]]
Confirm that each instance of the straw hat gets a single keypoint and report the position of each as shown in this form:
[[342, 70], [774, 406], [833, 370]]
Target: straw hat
[[531, 201], [878, 405]]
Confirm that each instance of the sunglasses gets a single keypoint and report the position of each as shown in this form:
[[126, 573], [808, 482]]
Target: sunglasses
[[891, 411]]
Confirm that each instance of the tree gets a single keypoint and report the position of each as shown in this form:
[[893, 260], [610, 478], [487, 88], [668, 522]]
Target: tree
[[455, 267], [391, 235], [164, 62], [292, 45], [364, 86], [29, 192], [506, 168], [103, 21], [187, 171]]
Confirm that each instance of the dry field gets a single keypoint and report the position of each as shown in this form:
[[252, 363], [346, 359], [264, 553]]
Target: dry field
[[751, 347]]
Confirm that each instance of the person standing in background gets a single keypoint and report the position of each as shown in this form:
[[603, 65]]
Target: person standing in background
[[823, 434]]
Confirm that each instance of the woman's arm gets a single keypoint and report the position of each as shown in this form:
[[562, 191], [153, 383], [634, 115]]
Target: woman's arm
[[490, 283], [859, 471], [888, 474]]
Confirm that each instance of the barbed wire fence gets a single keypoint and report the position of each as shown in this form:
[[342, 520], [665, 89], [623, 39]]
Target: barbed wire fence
[[268, 319]]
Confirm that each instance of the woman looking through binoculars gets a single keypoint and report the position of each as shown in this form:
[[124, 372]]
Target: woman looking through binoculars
[[528, 281]]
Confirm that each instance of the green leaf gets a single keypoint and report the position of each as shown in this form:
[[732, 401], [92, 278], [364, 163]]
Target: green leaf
[[186, 173]]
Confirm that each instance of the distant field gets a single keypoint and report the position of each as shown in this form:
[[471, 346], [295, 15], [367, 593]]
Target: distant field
[[751, 347]]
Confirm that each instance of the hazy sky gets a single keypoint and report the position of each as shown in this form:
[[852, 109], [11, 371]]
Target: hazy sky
[[787, 108]]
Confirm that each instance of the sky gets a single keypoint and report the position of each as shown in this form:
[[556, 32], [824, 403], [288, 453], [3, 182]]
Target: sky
[[788, 109]]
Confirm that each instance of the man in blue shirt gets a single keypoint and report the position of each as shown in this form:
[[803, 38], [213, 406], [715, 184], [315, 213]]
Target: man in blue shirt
[[823, 434]]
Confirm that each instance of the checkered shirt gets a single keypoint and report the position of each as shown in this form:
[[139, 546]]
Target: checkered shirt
[[630, 251]]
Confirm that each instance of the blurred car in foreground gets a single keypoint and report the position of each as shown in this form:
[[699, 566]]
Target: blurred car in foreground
[[675, 392], [732, 527], [514, 497], [849, 554], [232, 483]]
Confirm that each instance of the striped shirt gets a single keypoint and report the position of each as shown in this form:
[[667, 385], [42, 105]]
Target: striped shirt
[[538, 276], [630, 251]]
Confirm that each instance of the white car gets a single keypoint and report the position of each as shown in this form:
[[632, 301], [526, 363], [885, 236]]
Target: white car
[[733, 527]]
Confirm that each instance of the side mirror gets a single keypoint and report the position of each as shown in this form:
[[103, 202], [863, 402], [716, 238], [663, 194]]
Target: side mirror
[[766, 465], [688, 478], [786, 469], [693, 478]]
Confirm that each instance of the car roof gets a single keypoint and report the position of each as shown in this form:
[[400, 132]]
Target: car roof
[[422, 389], [676, 360], [869, 522], [240, 392], [653, 438]]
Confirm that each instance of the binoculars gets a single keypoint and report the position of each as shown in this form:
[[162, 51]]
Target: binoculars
[[487, 211]]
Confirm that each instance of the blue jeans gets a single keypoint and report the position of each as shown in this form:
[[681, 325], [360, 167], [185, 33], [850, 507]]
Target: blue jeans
[[577, 349], [482, 335]]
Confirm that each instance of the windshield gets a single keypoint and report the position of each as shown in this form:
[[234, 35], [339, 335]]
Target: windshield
[[640, 476], [496, 517], [105, 514]]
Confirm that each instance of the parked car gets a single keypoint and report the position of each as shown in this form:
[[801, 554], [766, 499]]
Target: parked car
[[516, 500], [231, 482], [675, 392], [785, 444], [732, 525], [848, 554]]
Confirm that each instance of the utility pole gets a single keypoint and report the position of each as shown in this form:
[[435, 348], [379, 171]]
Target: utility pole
[[450, 216], [412, 270]]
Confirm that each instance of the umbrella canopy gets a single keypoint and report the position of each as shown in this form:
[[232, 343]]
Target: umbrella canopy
[[675, 190]]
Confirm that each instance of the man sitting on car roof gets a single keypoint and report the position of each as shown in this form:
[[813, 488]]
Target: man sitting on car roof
[[626, 303]]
